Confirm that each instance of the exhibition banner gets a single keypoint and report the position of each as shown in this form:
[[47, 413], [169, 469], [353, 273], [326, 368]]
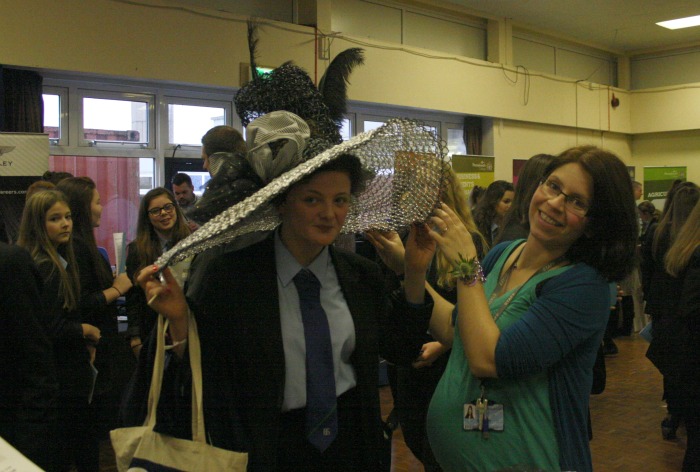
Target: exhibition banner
[[473, 170], [24, 157], [658, 180]]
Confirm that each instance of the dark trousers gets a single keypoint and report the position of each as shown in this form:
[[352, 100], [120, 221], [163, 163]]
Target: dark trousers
[[295, 453], [78, 438], [691, 461], [415, 390], [627, 314]]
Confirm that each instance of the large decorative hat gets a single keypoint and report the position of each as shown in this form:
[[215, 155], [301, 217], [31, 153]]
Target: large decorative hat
[[293, 131]]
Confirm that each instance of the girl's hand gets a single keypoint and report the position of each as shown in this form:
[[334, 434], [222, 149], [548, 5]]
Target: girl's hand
[[165, 297], [420, 250], [429, 353], [389, 247], [92, 333], [122, 283]]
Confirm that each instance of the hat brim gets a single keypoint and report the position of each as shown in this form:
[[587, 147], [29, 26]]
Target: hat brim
[[405, 157]]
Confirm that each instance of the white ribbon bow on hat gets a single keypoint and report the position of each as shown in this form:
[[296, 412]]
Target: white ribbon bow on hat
[[271, 127]]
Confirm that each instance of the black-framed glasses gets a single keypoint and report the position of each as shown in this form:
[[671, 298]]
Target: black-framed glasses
[[574, 204], [168, 207]]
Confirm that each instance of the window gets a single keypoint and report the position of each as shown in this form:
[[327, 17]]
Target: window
[[347, 128], [455, 141], [56, 114], [188, 120], [116, 118], [369, 125]]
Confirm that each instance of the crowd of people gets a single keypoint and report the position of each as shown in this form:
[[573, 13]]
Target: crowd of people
[[514, 337], [494, 322]]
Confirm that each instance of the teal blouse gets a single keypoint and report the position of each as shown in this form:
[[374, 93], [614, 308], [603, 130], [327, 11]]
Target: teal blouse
[[546, 338]]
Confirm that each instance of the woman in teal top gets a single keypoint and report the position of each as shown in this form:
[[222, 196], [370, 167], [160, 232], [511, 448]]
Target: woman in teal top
[[515, 391]]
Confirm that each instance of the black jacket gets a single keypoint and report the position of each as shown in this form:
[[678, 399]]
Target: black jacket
[[243, 358], [28, 386]]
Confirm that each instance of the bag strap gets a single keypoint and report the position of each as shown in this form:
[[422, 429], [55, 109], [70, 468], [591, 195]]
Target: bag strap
[[157, 376], [196, 367], [195, 353]]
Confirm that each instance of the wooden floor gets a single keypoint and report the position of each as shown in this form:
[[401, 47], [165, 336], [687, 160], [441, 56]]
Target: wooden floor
[[626, 420]]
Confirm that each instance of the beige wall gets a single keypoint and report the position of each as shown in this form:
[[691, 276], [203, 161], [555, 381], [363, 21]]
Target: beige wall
[[668, 149], [533, 113], [521, 140]]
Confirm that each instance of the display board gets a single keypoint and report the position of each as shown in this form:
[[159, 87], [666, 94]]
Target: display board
[[473, 170], [658, 180], [24, 157]]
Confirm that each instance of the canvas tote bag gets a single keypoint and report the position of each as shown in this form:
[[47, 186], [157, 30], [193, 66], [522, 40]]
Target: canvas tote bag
[[139, 448]]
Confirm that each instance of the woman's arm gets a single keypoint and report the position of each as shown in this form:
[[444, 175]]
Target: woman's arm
[[572, 308], [478, 331], [391, 250], [441, 327]]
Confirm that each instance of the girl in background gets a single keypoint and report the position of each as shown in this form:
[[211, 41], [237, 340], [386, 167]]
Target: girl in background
[[661, 290], [161, 224], [415, 385], [680, 337], [45, 231], [99, 291], [492, 207], [515, 223]]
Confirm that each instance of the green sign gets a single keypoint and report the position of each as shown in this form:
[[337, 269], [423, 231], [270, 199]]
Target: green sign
[[658, 180], [473, 170]]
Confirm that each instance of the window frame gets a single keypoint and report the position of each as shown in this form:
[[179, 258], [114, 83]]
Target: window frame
[[192, 99], [63, 107], [148, 98]]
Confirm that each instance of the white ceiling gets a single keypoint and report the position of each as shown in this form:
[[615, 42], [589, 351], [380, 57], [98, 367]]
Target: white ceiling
[[621, 26]]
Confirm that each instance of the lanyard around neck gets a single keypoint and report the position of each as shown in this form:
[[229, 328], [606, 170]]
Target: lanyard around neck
[[503, 281]]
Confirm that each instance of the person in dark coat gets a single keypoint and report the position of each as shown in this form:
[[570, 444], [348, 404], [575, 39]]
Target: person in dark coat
[[46, 231], [28, 386], [251, 362]]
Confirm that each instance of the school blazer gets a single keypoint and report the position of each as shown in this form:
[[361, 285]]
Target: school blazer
[[243, 360]]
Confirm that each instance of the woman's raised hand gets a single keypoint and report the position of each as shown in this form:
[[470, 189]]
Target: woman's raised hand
[[450, 234], [420, 249], [389, 247], [165, 297]]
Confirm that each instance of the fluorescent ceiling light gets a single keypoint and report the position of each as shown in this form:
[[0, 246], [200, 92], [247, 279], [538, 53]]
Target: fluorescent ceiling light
[[681, 22]]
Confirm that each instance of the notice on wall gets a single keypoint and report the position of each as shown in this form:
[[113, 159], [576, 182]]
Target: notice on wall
[[658, 180], [473, 170], [24, 157]]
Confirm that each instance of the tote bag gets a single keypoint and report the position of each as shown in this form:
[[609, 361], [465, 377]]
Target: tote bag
[[140, 448]]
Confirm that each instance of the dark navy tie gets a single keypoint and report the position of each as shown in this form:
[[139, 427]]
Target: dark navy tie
[[321, 413]]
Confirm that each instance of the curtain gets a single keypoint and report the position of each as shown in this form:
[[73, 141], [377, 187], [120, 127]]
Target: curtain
[[472, 134], [21, 103]]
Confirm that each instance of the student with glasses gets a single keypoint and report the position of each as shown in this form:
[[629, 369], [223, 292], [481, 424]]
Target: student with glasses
[[161, 224], [524, 340]]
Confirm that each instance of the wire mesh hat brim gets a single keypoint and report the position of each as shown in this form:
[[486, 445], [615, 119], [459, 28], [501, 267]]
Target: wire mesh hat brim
[[407, 163]]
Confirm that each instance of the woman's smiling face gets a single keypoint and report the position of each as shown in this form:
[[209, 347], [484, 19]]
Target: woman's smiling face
[[551, 221], [164, 221]]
